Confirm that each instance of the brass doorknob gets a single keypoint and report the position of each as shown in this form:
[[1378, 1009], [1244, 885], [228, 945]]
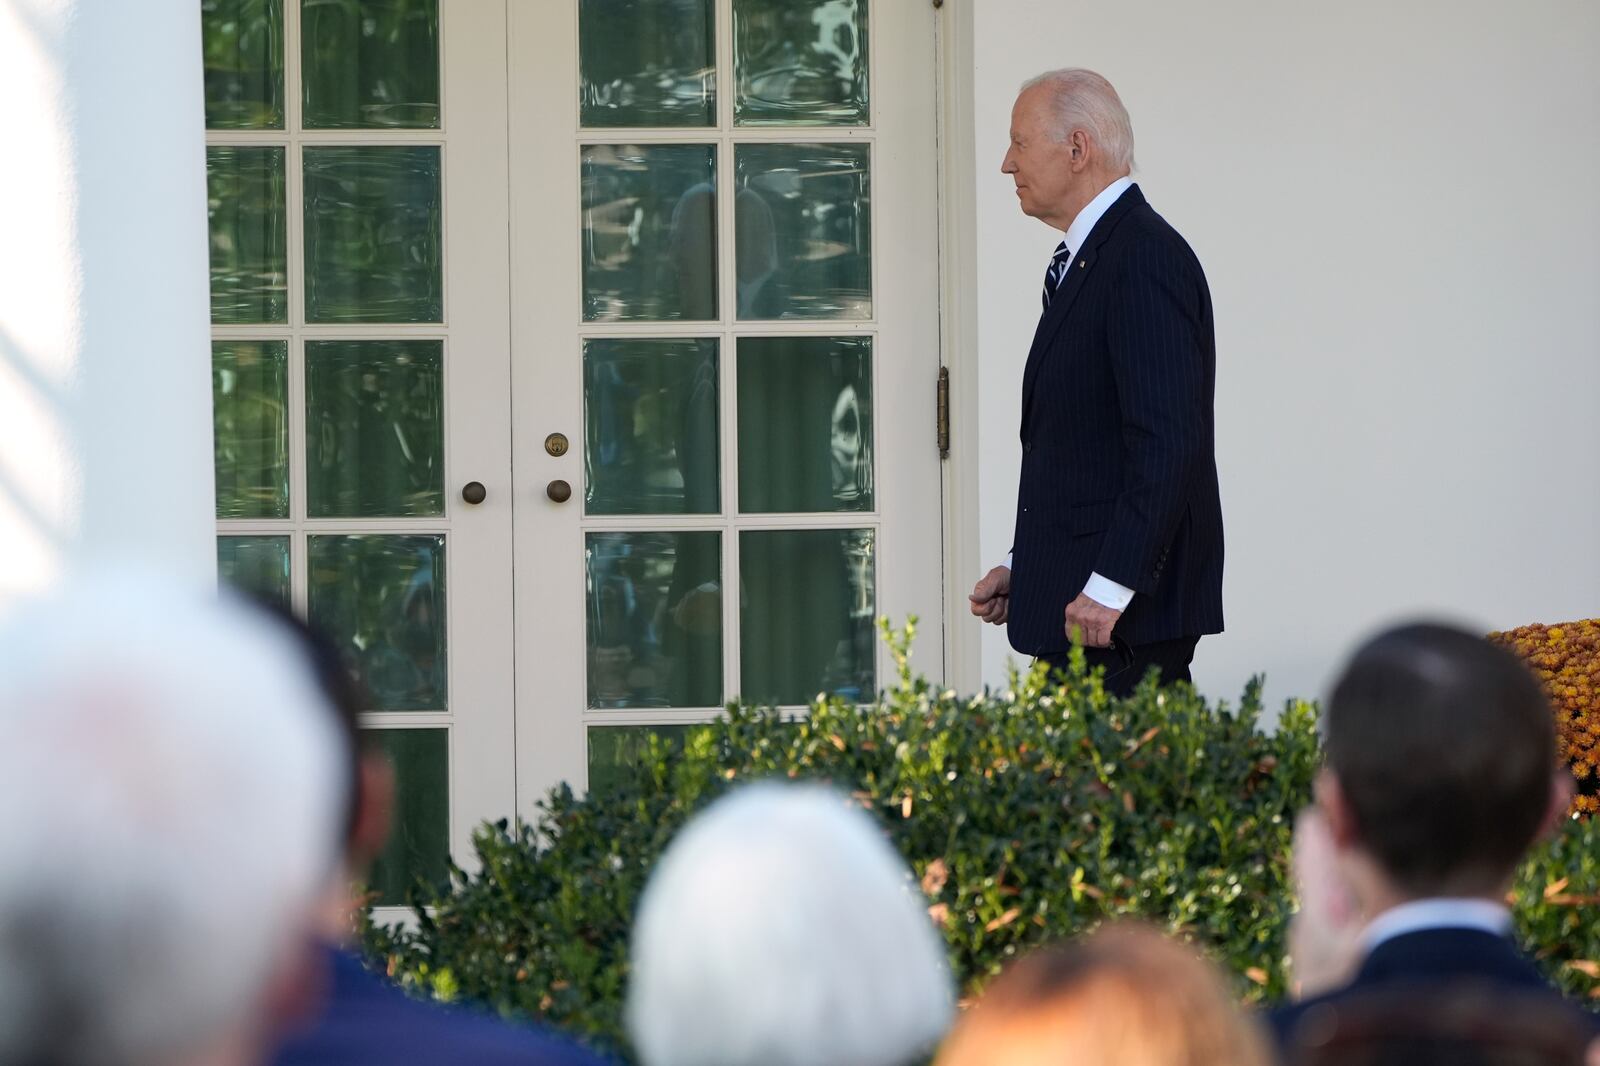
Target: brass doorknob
[[474, 492], [558, 491]]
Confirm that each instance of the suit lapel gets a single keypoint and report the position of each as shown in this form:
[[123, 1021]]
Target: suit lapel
[[1067, 292]]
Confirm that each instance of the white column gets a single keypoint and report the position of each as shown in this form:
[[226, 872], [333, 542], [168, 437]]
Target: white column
[[105, 401]]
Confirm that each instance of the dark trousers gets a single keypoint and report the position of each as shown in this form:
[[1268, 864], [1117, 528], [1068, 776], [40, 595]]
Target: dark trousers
[[1126, 664]]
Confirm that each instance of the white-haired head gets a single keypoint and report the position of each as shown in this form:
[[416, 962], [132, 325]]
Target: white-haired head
[[781, 929], [170, 780], [1083, 100]]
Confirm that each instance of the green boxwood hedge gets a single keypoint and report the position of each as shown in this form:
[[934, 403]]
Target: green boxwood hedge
[[1028, 814]]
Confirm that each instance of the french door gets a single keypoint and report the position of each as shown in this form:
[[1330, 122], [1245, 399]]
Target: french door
[[724, 268], [574, 365], [360, 338]]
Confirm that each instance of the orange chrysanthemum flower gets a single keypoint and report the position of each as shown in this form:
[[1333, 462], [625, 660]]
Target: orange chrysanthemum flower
[[1566, 658]]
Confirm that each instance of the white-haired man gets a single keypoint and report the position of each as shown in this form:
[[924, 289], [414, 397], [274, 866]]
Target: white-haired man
[[171, 785], [780, 929], [1119, 520]]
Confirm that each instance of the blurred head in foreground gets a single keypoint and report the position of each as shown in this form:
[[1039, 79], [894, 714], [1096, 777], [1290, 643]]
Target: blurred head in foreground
[[171, 782], [781, 929], [1441, 766], [1122, 996]]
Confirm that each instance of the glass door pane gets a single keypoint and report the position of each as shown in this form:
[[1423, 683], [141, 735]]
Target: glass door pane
[[649, 232], [646, 63], [805, 424], [651, 444], [800, 64], [804, 218], [243, 47], [370, 64]]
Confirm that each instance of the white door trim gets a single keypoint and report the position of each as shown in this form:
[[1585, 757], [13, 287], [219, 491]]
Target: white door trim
[[958, 333]]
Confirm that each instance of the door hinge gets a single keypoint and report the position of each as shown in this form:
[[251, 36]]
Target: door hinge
[[942, 412]]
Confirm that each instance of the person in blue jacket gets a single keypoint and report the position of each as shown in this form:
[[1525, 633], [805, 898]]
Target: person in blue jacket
[[363, 1017]]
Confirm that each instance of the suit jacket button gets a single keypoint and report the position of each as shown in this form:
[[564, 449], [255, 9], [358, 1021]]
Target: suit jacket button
[[1026, 448]]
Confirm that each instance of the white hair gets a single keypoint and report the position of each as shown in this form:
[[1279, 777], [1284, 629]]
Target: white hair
[[170, 780], [1083, 100], [781, 929]]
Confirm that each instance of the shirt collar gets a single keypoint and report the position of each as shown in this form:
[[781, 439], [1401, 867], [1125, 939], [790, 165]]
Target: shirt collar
[[1420, 914], [1083, 225]]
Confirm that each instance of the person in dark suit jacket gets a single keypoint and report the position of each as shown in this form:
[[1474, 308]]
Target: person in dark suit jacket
[[368, 1020], [360, 1017], [1441, 772], [1119, 518]]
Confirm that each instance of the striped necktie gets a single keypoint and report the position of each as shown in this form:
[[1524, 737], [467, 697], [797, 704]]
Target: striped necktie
[[1056, 271]]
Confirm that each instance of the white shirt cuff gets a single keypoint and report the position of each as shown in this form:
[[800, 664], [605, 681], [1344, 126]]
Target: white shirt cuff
[[1108, 593], [1007, 563]]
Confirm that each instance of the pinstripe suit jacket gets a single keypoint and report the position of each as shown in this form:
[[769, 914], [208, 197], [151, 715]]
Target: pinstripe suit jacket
[[1119, 475]]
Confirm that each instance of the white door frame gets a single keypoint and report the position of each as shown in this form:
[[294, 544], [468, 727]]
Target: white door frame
[[958, 307], [478, 364]]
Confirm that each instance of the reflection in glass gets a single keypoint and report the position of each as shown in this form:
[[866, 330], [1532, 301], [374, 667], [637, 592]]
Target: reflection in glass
[[249, 238], [650, 419], [374, 428], [805, 424], [806, 614], [803, 231], [372, 218], [257, 566], [614, 752], [419, 839], [647, 63], [800, 62], [250, 428], [242, 44], [381, 599], [654, 619], [369, 64], [649, 232]]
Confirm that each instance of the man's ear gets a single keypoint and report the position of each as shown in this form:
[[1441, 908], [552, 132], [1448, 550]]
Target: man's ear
[[1561, 793], [374, 809], [1078, 147], [1336, 809]]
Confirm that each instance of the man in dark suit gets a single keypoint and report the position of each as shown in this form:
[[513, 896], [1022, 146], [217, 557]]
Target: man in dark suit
[[1118, 537], [1441, 771]]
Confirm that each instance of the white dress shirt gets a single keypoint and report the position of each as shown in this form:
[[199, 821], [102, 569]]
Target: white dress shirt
[[1101, 590], [1439, 913]]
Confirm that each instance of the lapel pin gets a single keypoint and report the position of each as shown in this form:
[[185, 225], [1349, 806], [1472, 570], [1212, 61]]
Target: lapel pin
[[1083, 263]]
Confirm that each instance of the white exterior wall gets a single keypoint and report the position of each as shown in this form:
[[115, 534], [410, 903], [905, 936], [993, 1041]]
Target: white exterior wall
[[1398, 209], [105, 402]]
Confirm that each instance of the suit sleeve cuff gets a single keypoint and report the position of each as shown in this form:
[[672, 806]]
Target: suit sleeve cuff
[[1107, 593]]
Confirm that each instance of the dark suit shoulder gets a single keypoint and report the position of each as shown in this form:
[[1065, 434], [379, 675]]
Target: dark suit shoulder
[[369, 1020], [1142, 234], [1449, 965]]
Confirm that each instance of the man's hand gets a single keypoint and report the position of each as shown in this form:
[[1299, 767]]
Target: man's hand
[[991, 596], [1093, 621], [1325, 933]]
